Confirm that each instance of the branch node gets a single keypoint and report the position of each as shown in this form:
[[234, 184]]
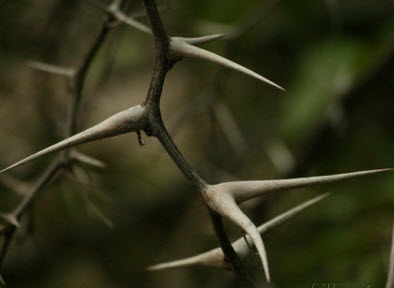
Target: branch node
[[10, 219]]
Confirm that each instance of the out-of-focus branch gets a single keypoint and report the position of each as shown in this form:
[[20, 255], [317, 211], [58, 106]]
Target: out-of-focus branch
[[390, 276], [12, 218], [77, 80]]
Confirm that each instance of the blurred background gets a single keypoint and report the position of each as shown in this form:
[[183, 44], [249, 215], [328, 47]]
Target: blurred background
[[335, 58]]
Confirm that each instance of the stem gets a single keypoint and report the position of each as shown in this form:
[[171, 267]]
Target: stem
[[80, 77], [157, 128], [162, 57], [167, 142]]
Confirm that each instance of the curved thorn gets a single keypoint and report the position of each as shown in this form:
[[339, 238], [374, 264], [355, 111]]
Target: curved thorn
[[199, 40], [215, 257], [225, 205], [129, 120], [183, 49], [247, 225], [245, 190], [2, 282]]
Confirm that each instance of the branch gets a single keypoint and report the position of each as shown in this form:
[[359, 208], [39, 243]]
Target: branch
[[12, 218], [390, 276], [77, 81], [156, 128]]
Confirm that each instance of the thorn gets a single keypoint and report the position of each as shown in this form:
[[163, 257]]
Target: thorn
[[85, 159], [198, 40], [128, 20], [215, 257], [129, 120], [182, 49], [53, 69], [245, 190], [140, 140], [187, 262], [223, 203]]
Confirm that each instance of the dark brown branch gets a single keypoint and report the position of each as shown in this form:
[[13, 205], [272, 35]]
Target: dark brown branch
[[80, 76], [162, 58], [175, 154], [157, 129]]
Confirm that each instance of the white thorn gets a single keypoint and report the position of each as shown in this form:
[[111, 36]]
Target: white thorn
[[223, 203], [182, 49], [245, 190], [129, 120], [198, 40], [53, 69], [186, 262], [129, 21]]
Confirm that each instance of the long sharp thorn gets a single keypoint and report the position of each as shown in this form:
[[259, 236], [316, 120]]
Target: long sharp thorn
[[53, 69], [199, 40], [245, 190], [126, 121], [282, 218], [186, 262], [183, 49]]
